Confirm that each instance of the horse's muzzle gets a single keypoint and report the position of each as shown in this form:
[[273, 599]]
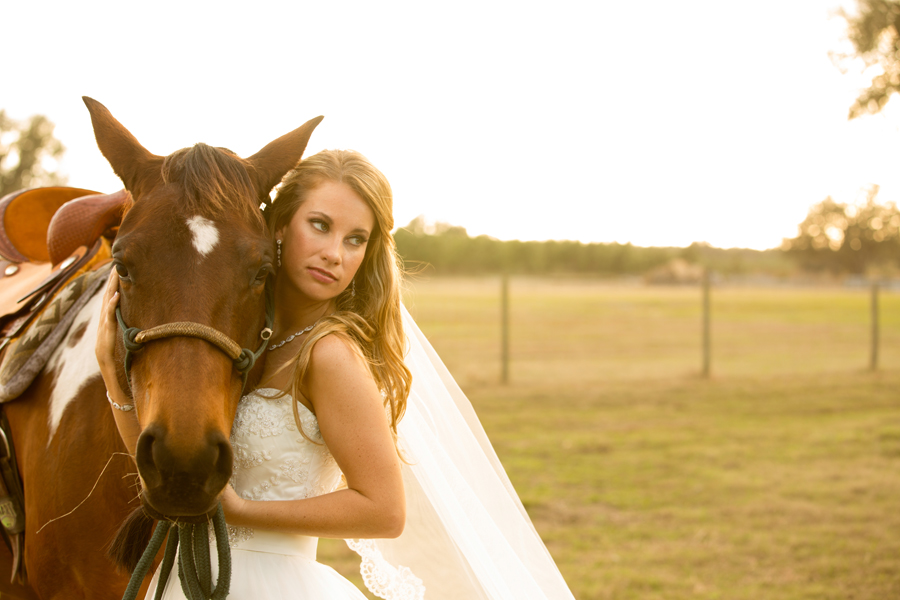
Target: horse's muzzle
[[182, 482]]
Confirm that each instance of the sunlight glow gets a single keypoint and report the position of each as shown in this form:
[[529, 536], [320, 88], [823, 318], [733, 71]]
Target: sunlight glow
[[541, 130]]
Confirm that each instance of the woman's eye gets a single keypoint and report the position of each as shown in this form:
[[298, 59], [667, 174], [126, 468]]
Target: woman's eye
[[320, 225], [122, 271], [357, 240]]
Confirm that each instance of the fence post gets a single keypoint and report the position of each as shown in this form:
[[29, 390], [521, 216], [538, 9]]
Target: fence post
[[706, 357], [504, 328], [873, 362]]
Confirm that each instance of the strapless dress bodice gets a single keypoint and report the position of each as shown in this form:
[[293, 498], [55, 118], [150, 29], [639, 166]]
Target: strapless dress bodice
[[274, 460]]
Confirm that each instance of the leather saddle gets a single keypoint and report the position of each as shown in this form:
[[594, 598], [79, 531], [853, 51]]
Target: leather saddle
[[48, 224], [46, 236]]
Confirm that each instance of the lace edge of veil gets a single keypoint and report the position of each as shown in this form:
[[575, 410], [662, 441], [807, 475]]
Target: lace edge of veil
[[384, 579]]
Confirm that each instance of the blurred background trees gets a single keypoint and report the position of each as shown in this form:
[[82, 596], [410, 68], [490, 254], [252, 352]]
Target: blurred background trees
[[28, 153], [834, 239], [447, 249], [450, 250], [854, 239], [874, 31]]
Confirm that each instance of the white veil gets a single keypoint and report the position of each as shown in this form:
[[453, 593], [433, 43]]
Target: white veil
[[467, 534]]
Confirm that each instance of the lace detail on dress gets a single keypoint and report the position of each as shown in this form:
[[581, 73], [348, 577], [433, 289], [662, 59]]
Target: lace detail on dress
[[270, 460], [264, 417], [247, 459], [296, 469], [259, 492], [236, 535], [310, 425], [384, 579]]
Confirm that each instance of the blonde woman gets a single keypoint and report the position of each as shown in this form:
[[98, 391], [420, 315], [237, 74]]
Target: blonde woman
[[342, 440]]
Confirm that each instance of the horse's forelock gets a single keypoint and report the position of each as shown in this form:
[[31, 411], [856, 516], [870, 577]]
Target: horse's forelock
[[214, 181]]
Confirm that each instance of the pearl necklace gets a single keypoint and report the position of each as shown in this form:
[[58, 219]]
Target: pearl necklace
[[290, 338]]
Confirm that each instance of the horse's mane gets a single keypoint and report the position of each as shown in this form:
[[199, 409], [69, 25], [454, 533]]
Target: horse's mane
[[214, 180]]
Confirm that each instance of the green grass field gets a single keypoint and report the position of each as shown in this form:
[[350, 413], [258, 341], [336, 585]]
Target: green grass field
[[778, 478]]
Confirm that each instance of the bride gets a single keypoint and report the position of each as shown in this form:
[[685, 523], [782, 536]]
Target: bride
[[359, 432]]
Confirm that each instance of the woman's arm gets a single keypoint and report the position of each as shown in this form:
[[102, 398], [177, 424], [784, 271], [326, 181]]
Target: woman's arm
[[353, 423], [126, 421]]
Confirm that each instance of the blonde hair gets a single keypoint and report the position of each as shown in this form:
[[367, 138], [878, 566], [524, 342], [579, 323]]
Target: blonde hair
[[370, 319]]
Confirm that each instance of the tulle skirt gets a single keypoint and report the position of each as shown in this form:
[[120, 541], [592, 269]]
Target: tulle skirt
[[273, 566]]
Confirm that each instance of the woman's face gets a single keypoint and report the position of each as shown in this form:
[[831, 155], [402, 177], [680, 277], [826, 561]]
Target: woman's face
[[325, 241]]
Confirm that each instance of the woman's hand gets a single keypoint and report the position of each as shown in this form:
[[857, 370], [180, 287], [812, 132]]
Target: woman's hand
[[126, 421], [232, 504], [106, 333]]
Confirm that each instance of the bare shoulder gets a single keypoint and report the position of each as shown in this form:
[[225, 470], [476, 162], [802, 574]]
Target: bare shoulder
[[338, 372], [336, 354]]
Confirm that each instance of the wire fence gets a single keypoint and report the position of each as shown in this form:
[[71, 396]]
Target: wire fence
[[532, 330]]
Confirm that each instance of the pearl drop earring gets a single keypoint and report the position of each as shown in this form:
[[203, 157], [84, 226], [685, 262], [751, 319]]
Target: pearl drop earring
[[278, 251]]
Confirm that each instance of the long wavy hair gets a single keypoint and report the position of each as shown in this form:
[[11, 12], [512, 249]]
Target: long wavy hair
[[370, 319]]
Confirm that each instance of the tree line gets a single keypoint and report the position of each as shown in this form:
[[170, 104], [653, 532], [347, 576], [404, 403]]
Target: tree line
[[447, 249], [835, 238]]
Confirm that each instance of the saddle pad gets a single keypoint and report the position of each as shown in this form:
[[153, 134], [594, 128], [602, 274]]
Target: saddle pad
[[27, 355]]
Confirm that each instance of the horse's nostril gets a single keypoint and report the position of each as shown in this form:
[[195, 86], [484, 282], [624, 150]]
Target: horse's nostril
[[222, 464], [144, 458], [225, 459]]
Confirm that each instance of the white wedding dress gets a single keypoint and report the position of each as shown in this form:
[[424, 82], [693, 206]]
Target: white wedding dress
[[467, 535], [273, 461]]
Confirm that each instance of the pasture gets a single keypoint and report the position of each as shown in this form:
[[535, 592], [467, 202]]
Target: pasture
[[778, 478]]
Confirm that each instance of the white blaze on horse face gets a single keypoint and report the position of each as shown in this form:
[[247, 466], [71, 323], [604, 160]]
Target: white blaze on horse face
[[205, 233], [74, 365]]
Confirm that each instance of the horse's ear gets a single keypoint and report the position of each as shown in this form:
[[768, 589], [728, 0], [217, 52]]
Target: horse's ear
[[125, 154], [272, 162]]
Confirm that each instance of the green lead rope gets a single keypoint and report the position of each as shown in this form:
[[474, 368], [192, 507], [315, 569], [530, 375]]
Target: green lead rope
[[194, 569]]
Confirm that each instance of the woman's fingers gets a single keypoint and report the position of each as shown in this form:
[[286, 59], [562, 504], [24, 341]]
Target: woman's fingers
[[112, 286], [106, 334], [111, 295], [112, 282], [106, 344], [111, 305]]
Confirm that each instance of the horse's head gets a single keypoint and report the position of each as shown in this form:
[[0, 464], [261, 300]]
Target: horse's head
[[194, 248]]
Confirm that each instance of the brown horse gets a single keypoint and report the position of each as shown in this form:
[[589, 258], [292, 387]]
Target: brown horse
[[192, 247]]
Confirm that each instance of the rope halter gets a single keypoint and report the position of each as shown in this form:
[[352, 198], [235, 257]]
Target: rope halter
[[244, 359]]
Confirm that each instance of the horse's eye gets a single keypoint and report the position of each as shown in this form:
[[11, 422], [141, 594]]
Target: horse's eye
[[122, 271], [262, 274]]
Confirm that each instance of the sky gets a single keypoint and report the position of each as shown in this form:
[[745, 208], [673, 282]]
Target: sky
[[657, 123]]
